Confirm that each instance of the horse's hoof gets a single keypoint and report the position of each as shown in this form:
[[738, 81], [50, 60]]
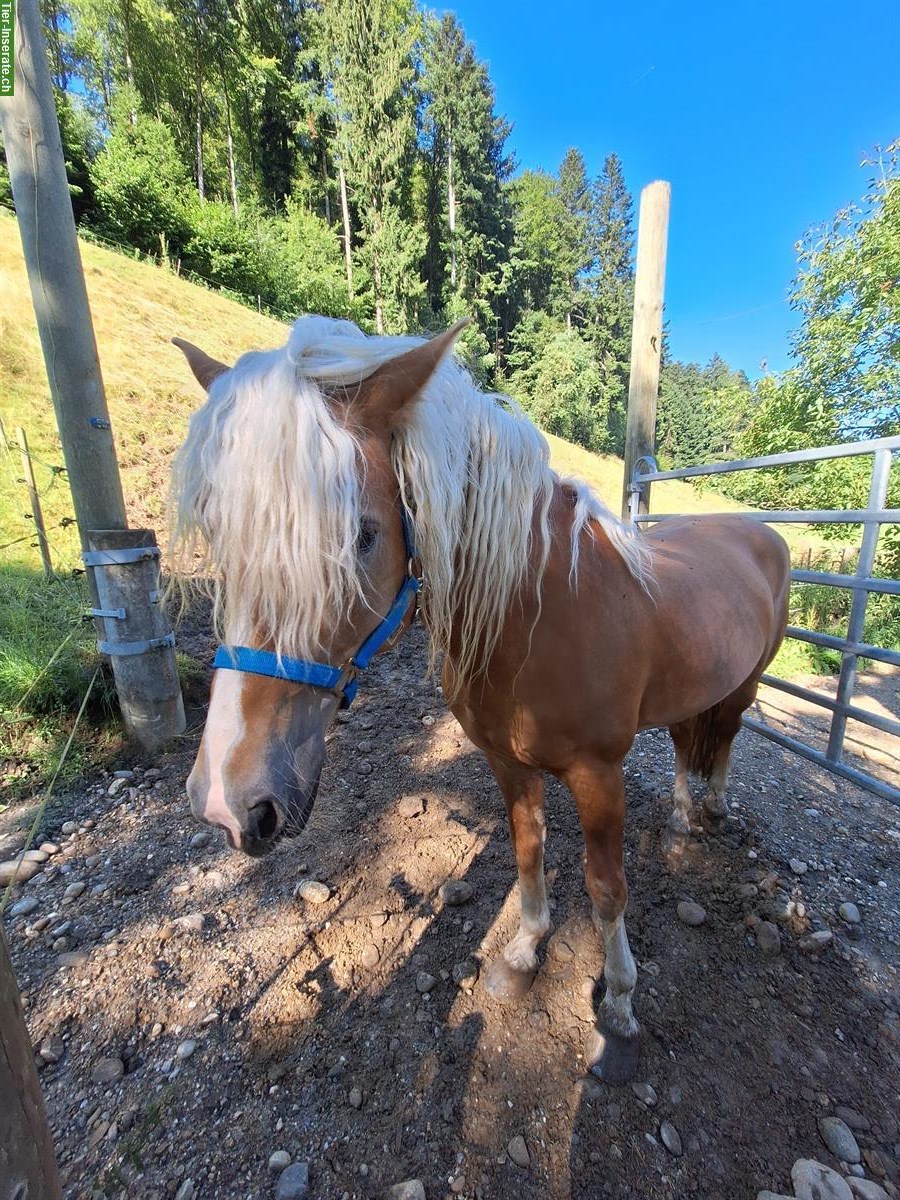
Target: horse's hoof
[[610, 1056], [713, 823], [674, 845], [506, 984], [714, 806]]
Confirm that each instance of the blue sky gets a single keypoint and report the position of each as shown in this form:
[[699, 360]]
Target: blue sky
[[758, 114]]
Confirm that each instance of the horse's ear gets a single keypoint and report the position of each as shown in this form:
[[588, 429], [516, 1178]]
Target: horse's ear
[[396, 383], [206, 370]]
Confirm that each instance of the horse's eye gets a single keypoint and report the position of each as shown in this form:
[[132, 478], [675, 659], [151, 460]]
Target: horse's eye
[[368, 532]]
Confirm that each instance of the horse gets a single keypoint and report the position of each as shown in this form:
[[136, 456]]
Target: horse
[[331, 486]]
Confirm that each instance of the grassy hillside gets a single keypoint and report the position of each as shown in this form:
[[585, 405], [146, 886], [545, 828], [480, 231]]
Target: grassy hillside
[[137, 308]]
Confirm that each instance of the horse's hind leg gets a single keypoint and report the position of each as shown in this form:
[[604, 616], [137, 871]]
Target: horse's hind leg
[[512, 974], [599, 791], [727, 727], [679, 823]]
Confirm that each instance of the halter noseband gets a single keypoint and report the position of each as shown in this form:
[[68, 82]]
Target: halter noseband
[[342, 680]]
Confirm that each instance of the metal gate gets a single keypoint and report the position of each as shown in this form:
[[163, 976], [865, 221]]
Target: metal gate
[[851, 647]]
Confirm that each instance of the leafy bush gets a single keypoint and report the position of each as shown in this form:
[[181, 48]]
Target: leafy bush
[[140, 181]]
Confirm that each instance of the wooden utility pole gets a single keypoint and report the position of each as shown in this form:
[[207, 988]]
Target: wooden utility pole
[[35, 501], [27, 1161], [151, 700], [646, 332]]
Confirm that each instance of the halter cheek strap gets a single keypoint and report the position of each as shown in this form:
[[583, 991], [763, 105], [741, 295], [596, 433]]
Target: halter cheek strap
[[342, 680]]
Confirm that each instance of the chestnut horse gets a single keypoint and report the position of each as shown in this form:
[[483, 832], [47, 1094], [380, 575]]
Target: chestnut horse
[[326, 480]]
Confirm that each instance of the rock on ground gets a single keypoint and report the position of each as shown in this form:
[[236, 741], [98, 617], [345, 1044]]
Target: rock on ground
[[839, 1140], [411, 1189], [814, 1181], [293, 1183], [518, 1151]]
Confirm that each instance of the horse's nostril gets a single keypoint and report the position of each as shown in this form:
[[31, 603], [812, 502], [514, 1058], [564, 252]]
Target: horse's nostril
[[263, 820]]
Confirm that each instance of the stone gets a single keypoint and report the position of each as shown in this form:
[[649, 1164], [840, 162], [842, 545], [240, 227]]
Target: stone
[[186, 1191], [69, 827], [51, 1049], [19, 869], [455, 892], [74, 890], [410, 1189], [313, 891], [766, 1195], [518, 1151], [293, 1183], [816, 941], [671, 1138], [690, 913], [278, 1160], [849, 912], [411, 806], [425, 982], [798, 866], [748, 891], [355, 1098], [867, 1189], [201, 838], [73, 958], [839, 1140], [107, 1070], [851, 1118], [117, 784], [645, 1093], [814, 1181], [465, 974], [49, 848], [370, 956], [768, 939], [560, 950], [191, 922], [38, 856], [186, 1049], [24, 907]]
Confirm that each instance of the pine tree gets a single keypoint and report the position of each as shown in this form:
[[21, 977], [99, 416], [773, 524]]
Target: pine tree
[[370, 48], [465, 165], [575, 193], [611, 286]]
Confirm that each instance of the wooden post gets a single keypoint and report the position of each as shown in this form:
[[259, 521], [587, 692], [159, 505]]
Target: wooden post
[[27, 1161], [37, 172], [38, 175], [138, 638], [35, 501], [646, 333]]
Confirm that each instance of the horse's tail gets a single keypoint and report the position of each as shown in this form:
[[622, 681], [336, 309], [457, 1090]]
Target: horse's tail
[[704, 741]]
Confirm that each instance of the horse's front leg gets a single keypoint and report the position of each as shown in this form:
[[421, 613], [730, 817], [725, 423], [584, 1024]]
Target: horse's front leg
[[599, 791], [512, 974]]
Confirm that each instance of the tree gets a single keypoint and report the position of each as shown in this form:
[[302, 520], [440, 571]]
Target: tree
[[465, 165], [369, 49], [555, 378], [575, 193], [847, 292], [611, 285]]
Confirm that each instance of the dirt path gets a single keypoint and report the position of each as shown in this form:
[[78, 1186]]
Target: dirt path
[[311, 1033]]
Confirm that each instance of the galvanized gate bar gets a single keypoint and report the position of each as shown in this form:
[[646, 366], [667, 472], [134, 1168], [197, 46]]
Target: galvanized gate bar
[[887, 587], [815, 454], [860, 778], [860, 584], [863, 649], [881, 470], [849, 711], [813, 516]]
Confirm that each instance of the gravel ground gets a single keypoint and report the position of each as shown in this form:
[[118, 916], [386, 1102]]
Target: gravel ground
[[195, 1018]]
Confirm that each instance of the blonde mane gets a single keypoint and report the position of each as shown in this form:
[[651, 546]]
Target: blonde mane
[[266, 492]]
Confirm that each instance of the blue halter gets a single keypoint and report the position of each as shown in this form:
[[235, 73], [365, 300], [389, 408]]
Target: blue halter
[[342, 680]]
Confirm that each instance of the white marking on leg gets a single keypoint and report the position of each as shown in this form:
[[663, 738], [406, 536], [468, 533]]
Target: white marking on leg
[[714, 801], [620, 976], [224, 728], [680, 818], [534, 920]]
